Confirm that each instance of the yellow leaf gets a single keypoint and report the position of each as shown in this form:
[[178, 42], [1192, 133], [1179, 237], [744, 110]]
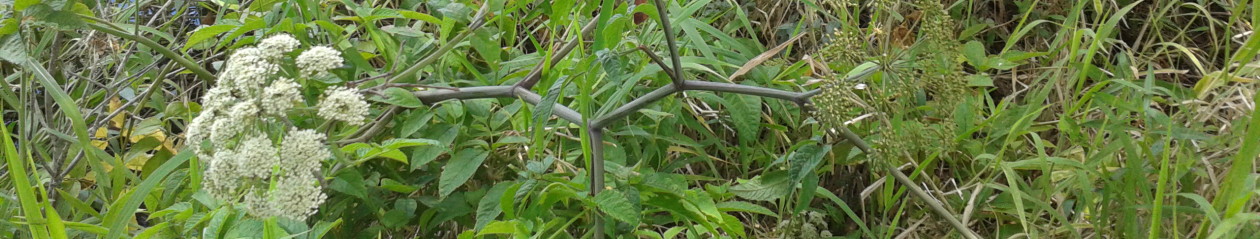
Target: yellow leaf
[[101, 133], [117, 121]]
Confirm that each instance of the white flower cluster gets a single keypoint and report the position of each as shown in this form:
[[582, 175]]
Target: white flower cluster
[[318, 60], [271, 171], [344, 104]]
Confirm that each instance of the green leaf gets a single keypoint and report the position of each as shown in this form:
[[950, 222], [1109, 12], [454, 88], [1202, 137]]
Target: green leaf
[[979, 80], [124, 209], [404, 210], [400, 97], [542, 113], [488, 208], [390, 184], [9, 26], [20, 5], [732, 225], [403, 143], [22, 184], [498, 227], [351, 183], [48, 16], [614, 204], [420, 16], [742, 206], [13, 49], [805, 159], [444, 133], [461, 167], [206, 33], [745, 113], [766, 187], [974, 52]]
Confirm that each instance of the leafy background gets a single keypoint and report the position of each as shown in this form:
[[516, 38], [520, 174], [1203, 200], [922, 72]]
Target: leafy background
[[1078, 119]]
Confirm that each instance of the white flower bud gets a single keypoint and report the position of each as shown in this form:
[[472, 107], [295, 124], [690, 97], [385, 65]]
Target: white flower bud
[[276, 46], [344, 104], [316, 61], [280, 96]]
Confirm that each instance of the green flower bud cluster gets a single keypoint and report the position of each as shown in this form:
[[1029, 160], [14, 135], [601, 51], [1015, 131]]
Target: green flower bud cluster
[[915, 95], [845, 50]]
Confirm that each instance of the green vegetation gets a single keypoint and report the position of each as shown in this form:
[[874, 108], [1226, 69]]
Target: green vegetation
[[629, 119]]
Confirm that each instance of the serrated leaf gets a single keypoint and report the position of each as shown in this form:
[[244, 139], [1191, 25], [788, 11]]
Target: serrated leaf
[[742, 206], [445, 134], [488, 208], [805, 159], [746, 116], [461, 167], [400, 97], [766, 187], [350, 183], [614, 204]]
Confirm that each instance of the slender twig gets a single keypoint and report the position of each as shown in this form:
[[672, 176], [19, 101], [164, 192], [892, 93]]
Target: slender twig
[[441, 51], [183, 61], [408, 85], [932, 202], [662, 12], [633, 106], [657, 59], [536, 73], [375, 127], [559, 110]]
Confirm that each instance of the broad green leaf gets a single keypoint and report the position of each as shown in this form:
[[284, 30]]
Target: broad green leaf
[[805, 159], [614, 204], [403, 211], [459, 169], [444, 133], [403, 143], [400, 97], [488, 208], [206, 33], [742, 206], [745, 113], [351, 183], [766, 187], [498, 227], [732, 225], [20, 5], [979, 80], [975, 55]]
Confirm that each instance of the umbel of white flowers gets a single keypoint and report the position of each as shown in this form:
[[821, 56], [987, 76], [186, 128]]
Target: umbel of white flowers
[[238, 134]]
